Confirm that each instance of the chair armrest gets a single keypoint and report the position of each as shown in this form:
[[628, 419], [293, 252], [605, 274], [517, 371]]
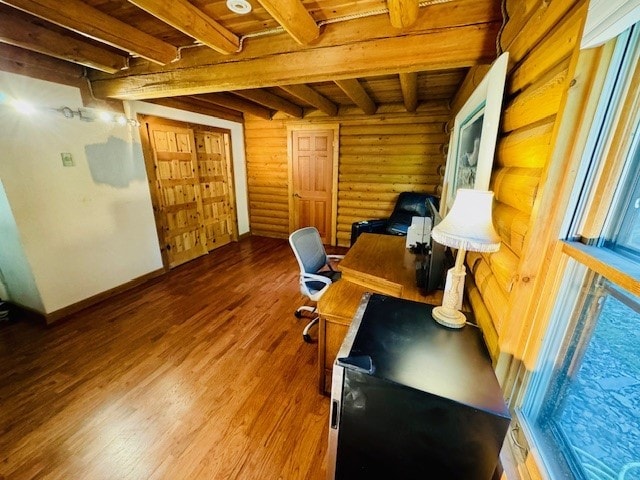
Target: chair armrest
[[367, 226], [373, 225], [319, 278], [335, 257]]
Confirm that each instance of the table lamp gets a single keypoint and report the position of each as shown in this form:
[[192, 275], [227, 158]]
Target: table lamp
[[467, 227]]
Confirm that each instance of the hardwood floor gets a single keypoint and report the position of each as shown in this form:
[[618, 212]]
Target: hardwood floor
[[200, 374]]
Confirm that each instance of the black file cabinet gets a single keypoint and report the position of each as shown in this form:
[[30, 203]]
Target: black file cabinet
[[412, 399]]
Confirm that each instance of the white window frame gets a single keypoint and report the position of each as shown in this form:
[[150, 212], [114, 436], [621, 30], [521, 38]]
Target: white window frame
[[575, 251]]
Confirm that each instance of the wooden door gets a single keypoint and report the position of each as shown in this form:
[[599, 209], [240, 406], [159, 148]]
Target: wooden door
[[312, 157], [216, 187], [181, 231]]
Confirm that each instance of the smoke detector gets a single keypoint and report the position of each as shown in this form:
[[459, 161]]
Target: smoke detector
[[240, 7]]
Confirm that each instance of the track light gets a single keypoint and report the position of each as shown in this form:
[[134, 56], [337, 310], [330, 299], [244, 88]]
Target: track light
[[23, 107], [82, 113]]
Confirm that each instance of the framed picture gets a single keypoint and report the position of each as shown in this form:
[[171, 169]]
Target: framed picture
[[473, 140]]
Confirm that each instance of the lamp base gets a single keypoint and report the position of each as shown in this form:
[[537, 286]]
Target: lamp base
[[449, 317]]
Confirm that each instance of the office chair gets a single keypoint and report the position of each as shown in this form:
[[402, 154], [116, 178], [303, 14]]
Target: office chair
[[408, 205], [316, 273]]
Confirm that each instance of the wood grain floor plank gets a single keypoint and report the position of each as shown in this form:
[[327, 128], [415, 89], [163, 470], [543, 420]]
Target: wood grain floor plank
[[201, 373]]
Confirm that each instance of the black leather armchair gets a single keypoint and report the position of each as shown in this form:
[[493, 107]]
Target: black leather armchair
[[408, 205]]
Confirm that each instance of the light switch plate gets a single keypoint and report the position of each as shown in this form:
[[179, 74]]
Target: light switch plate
[[67, 160]]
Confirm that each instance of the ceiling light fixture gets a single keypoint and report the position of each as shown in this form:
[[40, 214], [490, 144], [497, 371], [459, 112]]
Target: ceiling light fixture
[[241, 7]]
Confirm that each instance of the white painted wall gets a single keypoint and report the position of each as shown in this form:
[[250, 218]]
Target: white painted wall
[[237, 147], [68, 233], [83, 229]]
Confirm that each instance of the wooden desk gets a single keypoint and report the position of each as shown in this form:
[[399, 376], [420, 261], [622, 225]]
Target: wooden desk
[[383, 264], [376, 263]]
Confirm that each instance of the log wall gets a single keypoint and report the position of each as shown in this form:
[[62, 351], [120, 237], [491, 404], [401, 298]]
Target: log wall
[[390, 152], [542, 39], [380, 156]]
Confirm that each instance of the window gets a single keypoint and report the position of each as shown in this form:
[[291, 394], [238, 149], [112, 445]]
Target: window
[[587, 424], [581, 409], [627, 235]]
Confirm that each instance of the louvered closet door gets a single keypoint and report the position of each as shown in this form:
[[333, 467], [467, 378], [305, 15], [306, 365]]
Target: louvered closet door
[[182, 229], [215, 187]]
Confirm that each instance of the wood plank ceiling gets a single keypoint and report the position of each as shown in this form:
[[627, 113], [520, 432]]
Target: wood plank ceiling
[[284, 57]]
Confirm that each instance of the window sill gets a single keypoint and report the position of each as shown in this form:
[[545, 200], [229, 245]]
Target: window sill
[[615, 268]]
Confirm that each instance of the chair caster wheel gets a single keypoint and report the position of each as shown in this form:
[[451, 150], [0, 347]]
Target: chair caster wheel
[[298, 314], [307, 337]]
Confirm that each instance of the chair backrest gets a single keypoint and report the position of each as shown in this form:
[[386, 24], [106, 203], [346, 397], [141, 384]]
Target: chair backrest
[[308, 249], [408, 205], [413, 203]]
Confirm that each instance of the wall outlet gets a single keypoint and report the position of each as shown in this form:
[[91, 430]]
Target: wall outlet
[[67, 160]]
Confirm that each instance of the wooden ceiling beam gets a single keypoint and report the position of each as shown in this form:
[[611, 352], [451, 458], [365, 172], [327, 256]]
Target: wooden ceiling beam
[[88, 21], [271, 101], [427, 51], [35, 65], [294, 18], [192, 104], [313, 98], [191, 21], [357, 93], [448, 15], [403, 13], [409, 87], [235, 103], [44, 67], [31, 36]]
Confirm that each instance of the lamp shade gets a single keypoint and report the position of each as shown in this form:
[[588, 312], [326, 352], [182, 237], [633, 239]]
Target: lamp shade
[[469, 225]]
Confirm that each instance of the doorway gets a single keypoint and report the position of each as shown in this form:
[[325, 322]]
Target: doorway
[[190, 176], [313, 178]]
